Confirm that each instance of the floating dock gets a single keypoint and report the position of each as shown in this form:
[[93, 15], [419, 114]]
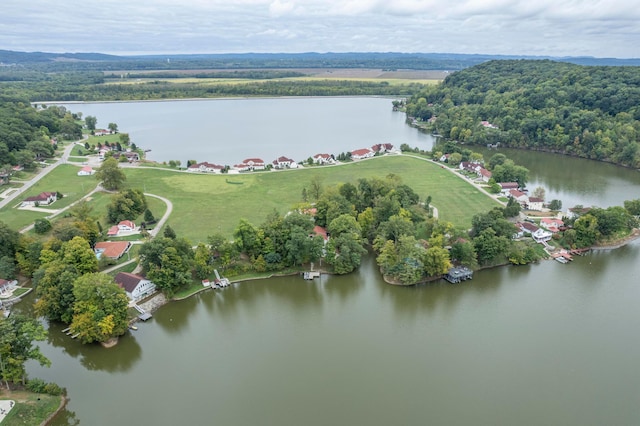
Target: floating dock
[[457, 274], [311, 275]]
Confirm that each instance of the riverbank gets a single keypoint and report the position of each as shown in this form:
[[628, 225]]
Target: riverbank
[[31, 408], [635, 234]]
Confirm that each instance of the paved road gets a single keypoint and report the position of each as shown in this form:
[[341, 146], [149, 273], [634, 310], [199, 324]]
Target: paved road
[[165, 217], [43, 173]]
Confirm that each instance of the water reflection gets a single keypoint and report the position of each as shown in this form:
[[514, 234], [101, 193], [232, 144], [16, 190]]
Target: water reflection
[[118, 359]]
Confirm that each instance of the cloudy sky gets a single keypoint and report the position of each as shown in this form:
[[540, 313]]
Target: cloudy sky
[[601, 28]]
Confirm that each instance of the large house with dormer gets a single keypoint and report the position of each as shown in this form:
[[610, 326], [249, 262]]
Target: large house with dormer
[[250, 164], [284, 163], [135, 286]]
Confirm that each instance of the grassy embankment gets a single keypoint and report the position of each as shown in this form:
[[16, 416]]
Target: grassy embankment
[[30, 408], [206, 204]]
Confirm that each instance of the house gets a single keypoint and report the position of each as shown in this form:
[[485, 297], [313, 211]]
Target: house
[[113, 231], [111, 249], [535, 203], [250, 164], [324, 159], [538, 234], [42, 199], [505, 187], [101, 132], [382, 148], [575, 212], [126, 225], [135, 286], [130, 155], [284, 163], [319, 230], [86, 171], [488, 125], [484, 174], [469, 166], [519, 196], [552, 224], [6, 286], [205, 167], [541, 235], [444, 158], [360, 154], [18, 168]]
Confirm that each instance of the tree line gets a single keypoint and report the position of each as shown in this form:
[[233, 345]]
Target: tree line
[[586, 111]]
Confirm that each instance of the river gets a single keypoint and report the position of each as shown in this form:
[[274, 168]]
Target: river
[[539, 344]]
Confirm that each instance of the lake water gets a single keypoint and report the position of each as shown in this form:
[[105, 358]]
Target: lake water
[[540, 344], [226, 131]]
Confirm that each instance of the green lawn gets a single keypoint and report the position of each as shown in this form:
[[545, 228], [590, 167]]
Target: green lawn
[[63, 178], [30, 408], [205, 204]]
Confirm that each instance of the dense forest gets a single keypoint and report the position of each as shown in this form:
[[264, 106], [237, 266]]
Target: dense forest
[[586, 111], [28, 134]]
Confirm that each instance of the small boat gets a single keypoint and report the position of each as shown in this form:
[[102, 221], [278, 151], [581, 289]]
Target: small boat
[[133, 327]]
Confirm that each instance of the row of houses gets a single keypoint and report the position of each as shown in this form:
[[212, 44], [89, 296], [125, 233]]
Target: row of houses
[[381, 148]]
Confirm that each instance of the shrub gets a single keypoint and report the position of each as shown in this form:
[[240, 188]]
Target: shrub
[[41, 226]]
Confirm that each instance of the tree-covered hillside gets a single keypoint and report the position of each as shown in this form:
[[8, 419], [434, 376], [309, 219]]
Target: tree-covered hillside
[[591, 112]]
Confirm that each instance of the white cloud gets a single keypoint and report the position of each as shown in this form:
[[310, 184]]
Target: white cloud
[[570, 27]]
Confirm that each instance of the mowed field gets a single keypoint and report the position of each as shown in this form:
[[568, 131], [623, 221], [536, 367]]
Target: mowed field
[[393, 77], [206, 204]]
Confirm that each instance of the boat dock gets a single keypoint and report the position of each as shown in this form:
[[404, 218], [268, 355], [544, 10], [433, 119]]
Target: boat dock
[[311, 275], [457, 274], [144, 315]]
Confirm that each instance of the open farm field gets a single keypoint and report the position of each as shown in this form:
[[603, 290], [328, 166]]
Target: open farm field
[[206, 204]]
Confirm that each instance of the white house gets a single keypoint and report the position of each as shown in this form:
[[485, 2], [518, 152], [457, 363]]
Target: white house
[[323, 159], [541, 235], [382, 147], [484, 174], [535, 203], [250, 164], [551, 224], [519, 196], [135, 286], [86, 171], [284, 163], [42, 199], [126, 225], [360, 154], [205, 167]]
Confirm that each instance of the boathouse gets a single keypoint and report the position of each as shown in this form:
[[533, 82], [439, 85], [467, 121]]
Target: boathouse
[[459, 273]]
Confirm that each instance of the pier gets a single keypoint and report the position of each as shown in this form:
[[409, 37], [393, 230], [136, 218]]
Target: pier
[[311, 275], [459, 273]]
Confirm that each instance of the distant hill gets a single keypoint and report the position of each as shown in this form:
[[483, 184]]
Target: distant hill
[[385, 60]]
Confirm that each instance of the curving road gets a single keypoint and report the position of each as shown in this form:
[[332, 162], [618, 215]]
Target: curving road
[[165, 216]]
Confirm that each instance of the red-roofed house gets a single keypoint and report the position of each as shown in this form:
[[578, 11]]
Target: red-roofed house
[[382, 147], [113, 231], [360, 154], [205, 167], [135, 286], [552, 225], [43, 198], [323, 159], [319, 230], [535, 203], [86, 171], [126, 225], [255, 163], [111, 249], [284, 163], [484, 174], [505, 187], [519, 196]]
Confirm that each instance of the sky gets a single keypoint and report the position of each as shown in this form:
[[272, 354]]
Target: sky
[[600, 28]]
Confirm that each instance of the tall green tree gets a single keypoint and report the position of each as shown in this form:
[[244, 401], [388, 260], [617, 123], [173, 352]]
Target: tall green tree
[[17, 336], [111, 176], [100, 308]]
